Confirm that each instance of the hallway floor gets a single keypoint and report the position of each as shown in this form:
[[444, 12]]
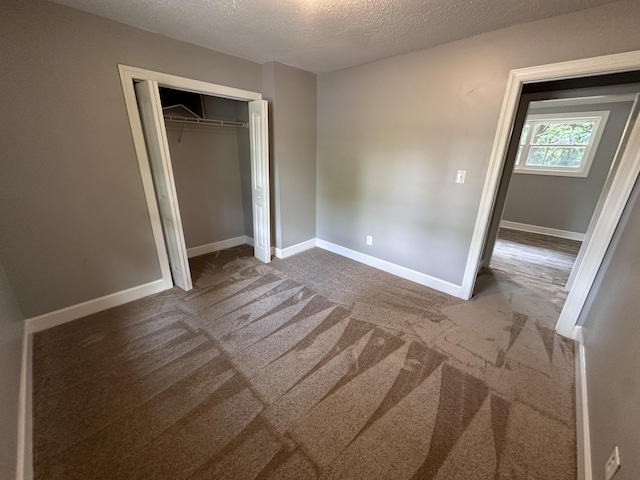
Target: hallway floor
[[541, 262]]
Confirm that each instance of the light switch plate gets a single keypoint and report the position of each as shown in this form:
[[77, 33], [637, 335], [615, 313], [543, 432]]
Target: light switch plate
[[460, 176]]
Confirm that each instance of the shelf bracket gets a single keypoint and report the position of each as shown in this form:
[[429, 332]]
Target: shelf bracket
[[181, 132]]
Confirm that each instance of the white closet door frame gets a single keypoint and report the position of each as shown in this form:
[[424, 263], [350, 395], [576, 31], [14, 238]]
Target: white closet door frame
[[130, 74]]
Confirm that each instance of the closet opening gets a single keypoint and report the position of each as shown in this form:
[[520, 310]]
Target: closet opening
[[203, 157]]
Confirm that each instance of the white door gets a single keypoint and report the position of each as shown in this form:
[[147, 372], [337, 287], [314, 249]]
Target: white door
[[258, 134], [160, 161]]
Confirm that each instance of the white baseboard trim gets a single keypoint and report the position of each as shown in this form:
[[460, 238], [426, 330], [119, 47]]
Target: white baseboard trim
[[403, 272], [294, 249], [64, 315], [552, 232], [582, 409], [249, 241], [217, 246]]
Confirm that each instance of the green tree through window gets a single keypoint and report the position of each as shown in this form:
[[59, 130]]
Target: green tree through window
[[559, 144]]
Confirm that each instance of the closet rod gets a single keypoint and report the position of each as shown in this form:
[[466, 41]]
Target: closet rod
[[205, 121]]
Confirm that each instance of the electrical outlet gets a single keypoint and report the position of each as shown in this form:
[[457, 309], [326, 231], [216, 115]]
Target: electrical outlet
[[460, 176], [369, 240], [612, 465]]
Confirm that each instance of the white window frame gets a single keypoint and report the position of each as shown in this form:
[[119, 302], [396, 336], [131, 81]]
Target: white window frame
[[600, 118]]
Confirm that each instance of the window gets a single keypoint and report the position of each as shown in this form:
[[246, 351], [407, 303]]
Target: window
[[560, 144]]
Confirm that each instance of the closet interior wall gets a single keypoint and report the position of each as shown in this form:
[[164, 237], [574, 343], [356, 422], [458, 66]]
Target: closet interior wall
[[212, 173]]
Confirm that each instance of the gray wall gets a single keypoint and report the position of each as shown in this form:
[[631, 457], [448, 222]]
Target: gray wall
[[292, 100], [74, 219], [11, 327], [208, 175], [567, 203], [392, 133], [611, 333]]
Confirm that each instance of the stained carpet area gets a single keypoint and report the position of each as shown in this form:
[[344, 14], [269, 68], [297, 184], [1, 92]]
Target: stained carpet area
[[309, 367]]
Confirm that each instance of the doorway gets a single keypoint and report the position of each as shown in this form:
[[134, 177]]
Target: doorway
[[141, 88], [567, 151], [618, 193]]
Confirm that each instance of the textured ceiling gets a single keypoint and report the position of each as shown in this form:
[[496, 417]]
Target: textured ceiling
[[324, 35]]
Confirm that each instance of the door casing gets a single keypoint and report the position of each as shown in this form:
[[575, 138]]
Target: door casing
[[613, 206]]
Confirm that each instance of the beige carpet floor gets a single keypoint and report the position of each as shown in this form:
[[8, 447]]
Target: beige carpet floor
[[310, 367]]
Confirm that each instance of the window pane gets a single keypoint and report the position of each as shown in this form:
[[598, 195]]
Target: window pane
[[536, 156], [563, 133], [565, 157], [555, 156]]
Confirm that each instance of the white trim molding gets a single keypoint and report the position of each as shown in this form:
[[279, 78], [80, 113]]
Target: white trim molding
[[551, 232], [25, 457], [229, 243], [217, 246], [294, 249], [397, 270], [582, 409], [129, 74], [249, 241], [64, 315], [619, 192]]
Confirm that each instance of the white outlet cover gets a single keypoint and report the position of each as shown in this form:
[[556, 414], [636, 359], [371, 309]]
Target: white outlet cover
[[612, 464]]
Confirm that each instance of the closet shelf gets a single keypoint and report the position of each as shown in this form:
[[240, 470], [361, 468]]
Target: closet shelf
[[181, 114], [204, 121]]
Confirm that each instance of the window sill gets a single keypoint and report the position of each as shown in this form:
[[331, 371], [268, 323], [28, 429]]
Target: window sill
[[552, 173]]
